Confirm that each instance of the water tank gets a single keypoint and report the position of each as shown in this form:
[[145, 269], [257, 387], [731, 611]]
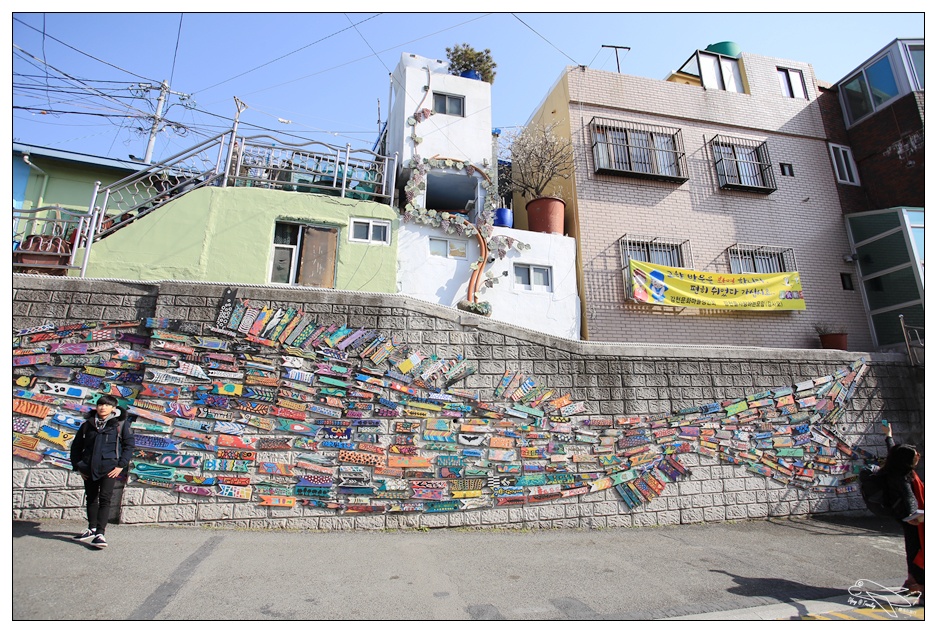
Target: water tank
[[725, 48]]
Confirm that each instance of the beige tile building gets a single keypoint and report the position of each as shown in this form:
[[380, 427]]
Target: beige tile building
[[723, 168]]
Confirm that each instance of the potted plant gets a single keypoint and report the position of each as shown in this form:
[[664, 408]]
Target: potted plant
[[468, 62], [539, 157], [832, 335]]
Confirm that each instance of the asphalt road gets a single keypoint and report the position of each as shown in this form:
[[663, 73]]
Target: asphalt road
[[754, 570]]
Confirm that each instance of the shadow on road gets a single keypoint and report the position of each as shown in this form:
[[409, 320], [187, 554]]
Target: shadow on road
[[27, 528], [782, 590]]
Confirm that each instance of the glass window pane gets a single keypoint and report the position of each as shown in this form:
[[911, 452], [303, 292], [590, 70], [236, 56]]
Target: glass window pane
[[887, 324], [915, 218], [282, 265], [541, 276], [286, 234], [711, 75], [916, 59], [438, 103], [749, 166], [868, 226], [798, 85], [883, 84], [455, 106], [884, 253], [458, 249], [601, 149], [892, 289], [522, 274], [725, 165], [918, 241], [731, 72], [360, 230], [784, 83], [639, 151], [438, 247], [379, 233], [857, 100], [665, 154]]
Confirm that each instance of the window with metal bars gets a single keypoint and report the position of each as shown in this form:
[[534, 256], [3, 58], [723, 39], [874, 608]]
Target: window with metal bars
[[756, 259], [743, 164], [637, 149], [674, 253]]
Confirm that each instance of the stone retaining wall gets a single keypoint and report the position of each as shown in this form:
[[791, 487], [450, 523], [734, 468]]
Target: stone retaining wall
[[614, 379]]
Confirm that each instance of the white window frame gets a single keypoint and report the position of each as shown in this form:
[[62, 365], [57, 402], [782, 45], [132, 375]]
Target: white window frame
[[792, 83], [293, 257], [532, 286], [847, 162], [448, 247], [371, 223], [457, 97], [719, 72]]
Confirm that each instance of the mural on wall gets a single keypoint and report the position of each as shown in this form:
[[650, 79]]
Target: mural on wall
[[274, 407]]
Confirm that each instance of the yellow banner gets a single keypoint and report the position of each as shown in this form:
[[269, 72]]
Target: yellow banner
[[662, 285]]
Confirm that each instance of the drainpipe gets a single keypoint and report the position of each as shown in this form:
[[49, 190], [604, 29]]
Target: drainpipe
[[42, 190]]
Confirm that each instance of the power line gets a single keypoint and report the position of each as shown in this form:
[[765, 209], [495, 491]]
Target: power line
[[286, 55], [176, 53], [544, 39], [107, 63]]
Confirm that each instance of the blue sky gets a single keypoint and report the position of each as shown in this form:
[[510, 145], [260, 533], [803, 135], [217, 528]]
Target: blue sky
[[324, 74]]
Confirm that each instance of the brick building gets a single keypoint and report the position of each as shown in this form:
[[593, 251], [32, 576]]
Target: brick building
[[724, 167]]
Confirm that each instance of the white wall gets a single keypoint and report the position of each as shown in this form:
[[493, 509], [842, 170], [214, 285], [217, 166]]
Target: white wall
[[445, 281], [462, 138]]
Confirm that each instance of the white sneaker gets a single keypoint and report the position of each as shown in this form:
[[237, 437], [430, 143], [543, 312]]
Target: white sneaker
[[86, 536], [99, 541]]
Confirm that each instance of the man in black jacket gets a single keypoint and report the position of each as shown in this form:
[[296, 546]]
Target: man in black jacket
[[100, 451]]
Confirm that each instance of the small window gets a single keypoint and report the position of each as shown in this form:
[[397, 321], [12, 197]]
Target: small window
[[448, 104], [637, 149], [755, 259], [370, 231], [293, 244], [847, 283], [792, 84], [786, 169], [533, 278], [844, 164], [449, 248], [743, 164], [673, 253]]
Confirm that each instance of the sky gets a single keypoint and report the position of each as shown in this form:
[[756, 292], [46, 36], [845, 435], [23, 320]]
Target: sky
[[325, 76]]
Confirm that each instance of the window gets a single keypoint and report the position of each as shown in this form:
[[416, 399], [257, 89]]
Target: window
[[637, 149], [847, 282], [844, 163], [674, 253], [786, 169], [294, 244], [915, 53], [742, 164], [448, 104], [532, 278], [372, 231], [450, 248], [747, 258], [720, 72], [870, 88], [792, 84]]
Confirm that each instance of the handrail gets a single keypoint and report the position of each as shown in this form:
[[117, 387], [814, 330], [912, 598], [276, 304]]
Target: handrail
[[912, 334], [46, 239]]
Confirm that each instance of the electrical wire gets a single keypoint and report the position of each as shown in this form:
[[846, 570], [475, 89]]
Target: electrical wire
[[176, 53], [544, 39]]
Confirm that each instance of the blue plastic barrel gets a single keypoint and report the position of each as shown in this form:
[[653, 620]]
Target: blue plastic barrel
[[503, 217]]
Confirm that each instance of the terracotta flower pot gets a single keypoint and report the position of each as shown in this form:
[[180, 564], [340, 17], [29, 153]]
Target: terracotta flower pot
[[546, 215], [834, 341]]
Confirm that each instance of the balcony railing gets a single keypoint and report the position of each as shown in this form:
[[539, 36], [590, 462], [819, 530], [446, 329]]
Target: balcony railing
[[913, 337], [638, 150], [46, 240], [742, 164], [263, 161]]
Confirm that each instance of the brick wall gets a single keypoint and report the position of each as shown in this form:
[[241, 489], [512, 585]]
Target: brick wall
[[614, 379], [804, 213]]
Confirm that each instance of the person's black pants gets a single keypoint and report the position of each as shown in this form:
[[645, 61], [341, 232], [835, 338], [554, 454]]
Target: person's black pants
[[913, 546], [99, 495]]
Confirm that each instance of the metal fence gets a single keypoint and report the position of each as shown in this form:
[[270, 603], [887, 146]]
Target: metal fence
[[913, 337], [47, 240]]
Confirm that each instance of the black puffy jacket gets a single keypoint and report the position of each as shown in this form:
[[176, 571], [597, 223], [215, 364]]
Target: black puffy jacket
[[95, 452]]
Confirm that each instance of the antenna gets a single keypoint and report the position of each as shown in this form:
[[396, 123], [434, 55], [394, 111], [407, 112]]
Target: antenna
[[616, 49]]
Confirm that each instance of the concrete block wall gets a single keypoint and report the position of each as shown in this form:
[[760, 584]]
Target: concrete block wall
[[804, 213], [614, 379]]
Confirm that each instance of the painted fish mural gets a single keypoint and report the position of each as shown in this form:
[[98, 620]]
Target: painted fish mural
[[350, 419]]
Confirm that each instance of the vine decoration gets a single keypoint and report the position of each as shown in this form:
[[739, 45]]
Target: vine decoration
[[456, 223]]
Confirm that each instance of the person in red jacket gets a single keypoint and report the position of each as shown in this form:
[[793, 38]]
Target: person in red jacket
[[905, 491], [100, 452]]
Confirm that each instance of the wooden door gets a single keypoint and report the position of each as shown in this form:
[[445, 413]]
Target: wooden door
[[319, 254]]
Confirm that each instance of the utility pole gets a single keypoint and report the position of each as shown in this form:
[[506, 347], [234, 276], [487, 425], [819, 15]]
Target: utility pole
[[164, 92], [616, 48]]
